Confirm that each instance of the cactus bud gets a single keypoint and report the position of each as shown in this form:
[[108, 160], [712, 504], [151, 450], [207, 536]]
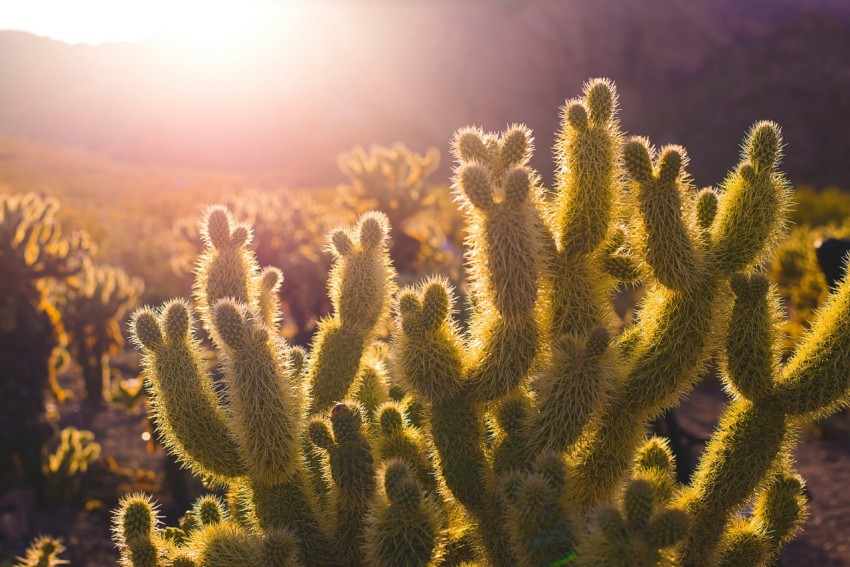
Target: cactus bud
[[637, 159], [601, 101], [475, 183]]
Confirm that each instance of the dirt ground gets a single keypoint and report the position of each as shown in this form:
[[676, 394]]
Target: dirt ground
[[823, 459]]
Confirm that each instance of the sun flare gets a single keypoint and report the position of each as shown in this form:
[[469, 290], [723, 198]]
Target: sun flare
[[204, 25]]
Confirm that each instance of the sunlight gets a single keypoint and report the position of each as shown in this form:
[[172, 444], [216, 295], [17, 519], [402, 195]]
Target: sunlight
[[217, 26], [205, 25]]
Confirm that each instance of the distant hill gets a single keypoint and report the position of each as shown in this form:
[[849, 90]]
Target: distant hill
[[691, 72]]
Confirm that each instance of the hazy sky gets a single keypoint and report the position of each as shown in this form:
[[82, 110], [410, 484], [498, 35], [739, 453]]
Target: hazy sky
[[98, 21]]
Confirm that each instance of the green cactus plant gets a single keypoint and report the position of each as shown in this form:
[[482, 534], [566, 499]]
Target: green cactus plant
[[395, 180], [522, 440], [64, 468], [32, 253], [44, 551], [92, 305]]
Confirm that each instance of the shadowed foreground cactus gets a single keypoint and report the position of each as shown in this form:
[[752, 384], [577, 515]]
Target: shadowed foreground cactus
[[524, 440]]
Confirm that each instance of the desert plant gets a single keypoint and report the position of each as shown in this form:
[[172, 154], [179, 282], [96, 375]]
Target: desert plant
[[32, 252], [92, 305], [43, 552], [64, 469], [524, 440], [289, 229], [395, 180]]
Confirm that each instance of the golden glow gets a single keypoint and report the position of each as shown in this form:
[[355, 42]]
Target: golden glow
[[210, 24]]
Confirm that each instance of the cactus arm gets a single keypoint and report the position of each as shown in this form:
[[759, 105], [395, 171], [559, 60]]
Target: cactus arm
[[666, 238], [505, 253], [188, 417], [816, 382], [751, 212], [360, 284]]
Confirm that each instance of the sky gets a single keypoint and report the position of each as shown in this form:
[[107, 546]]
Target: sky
[[100, 21]]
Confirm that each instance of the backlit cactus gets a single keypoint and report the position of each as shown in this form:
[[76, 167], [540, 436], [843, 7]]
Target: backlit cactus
[[92, 306], [44, 551], [33, 252], [523, 439]]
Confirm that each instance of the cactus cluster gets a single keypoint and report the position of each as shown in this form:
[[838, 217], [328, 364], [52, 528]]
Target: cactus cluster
[[33, 253], [92, 305], [65, 467], [395, 180], [288, 228], [523, 440]]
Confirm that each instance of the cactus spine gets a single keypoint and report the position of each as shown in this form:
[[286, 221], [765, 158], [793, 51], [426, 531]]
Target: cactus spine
[[521, 441]]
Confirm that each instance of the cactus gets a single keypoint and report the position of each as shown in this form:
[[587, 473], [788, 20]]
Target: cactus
[[32, 253], [44, 551], [92, 306], [521, 440], [65, 467], [395, 181]]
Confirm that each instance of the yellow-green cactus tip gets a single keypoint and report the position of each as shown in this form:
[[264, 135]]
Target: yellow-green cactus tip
[[408, 302], [706, 207], [145, 328], [435, 305], [476, 185], [135, 518], [320, 433], [655, 454], [176, 320], [576, 116], [373, 230], [229, 323], [516, 146], [241, 236], [517, 186], [216, 227], [670, 163], [637, 160], [341, 244], [270, 279], [390, 417], [470, 146], [346, 419], [396, 474], [601, 100], [209, 510], [764, 145], [748, 173]]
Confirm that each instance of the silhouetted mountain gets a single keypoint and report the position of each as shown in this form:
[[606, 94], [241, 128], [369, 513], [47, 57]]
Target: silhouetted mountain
[[691, 72]]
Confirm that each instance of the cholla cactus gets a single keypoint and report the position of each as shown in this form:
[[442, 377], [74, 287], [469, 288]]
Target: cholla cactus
[[32, 252], [65, 467], [92, 306], [43, 552], [395, 181], [289, 228], [524, 440]]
